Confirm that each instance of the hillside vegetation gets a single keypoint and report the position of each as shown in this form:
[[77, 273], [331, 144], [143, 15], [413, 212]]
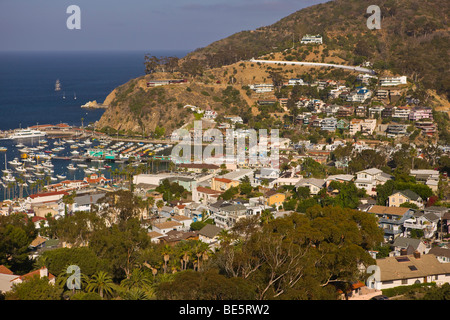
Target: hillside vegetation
[[413, 41]]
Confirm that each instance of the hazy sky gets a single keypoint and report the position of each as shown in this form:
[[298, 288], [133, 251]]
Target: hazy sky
[[134, 24]]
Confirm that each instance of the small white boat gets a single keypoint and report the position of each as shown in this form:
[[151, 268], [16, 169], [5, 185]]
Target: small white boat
[[82, 165], [48, 164], [61, 177], [15, 162], [71, 167], [9, 178], [53, 179], [74, 152], [21, 169]]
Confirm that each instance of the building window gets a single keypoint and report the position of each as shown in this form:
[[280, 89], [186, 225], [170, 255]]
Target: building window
[[404, 281]]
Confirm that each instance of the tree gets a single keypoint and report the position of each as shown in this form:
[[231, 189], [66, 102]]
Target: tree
[[298, 256], [101, 283], [206, 285], [35, 289], [16, 234], [120, 245]]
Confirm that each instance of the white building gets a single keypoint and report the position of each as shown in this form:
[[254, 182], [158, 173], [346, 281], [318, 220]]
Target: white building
[[370, 178], [407, 270], [307, 39], [393, 81]]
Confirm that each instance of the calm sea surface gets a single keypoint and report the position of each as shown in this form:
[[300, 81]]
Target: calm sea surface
[[28, 96]]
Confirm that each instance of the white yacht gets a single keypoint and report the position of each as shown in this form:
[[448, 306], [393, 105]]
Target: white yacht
[[71, 167], [15, 162], [26, 133]]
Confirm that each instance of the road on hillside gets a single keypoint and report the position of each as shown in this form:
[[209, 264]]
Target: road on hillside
[[316, 64]]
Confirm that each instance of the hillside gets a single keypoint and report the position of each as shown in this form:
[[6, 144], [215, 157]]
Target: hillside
[[413, 41]]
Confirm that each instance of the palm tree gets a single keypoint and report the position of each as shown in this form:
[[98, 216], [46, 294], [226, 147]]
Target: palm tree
[[167, 250], [136, 280], [101, 283]]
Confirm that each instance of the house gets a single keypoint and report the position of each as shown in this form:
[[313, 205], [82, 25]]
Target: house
[[223, 184], [426, 222], [359, 291], [366, 126], [391, 219], [229, 214], [410, 269], [438, 211], [85, 202], [8, 279], [155, 236], [308, 39], [239, 174], [185, 221], [342, 124], [167, 226], [395, 130], [428, 177], [405, 196], [274, 198], [96, 179], [174, 237], [329, 124], [393, 81], [369, 179], [314, 185], [293, 82], [47, 197], [343, 178], [199, 167], [428, 127], [401, 244], [209, 233], [441, 253], [205, 195]]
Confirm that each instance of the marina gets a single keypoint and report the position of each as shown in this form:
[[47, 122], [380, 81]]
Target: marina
[[40, 159]]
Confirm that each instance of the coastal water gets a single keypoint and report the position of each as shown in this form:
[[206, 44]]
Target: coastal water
[[27, 84], [28, 96]]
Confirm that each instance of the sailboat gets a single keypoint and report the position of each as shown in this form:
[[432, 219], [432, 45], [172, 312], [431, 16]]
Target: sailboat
[[57, 85]]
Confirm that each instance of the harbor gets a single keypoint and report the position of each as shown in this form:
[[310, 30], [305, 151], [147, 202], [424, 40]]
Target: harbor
[[31, 158]]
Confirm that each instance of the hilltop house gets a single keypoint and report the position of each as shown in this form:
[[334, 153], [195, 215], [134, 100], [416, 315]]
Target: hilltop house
[[369, 179], [405, 196], [307, 39]]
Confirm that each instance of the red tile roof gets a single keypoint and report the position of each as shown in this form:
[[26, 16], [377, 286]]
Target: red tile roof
[[5, 270]]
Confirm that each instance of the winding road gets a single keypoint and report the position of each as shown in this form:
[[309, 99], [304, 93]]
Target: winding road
[[316, 64]]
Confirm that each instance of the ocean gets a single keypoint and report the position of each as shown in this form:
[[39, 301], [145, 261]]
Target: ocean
[[27, 84], [28, 96]]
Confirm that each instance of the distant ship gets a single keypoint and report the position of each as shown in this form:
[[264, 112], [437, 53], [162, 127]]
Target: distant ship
[[26, 133], [57, 85], [74, 96], [64, 95]]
